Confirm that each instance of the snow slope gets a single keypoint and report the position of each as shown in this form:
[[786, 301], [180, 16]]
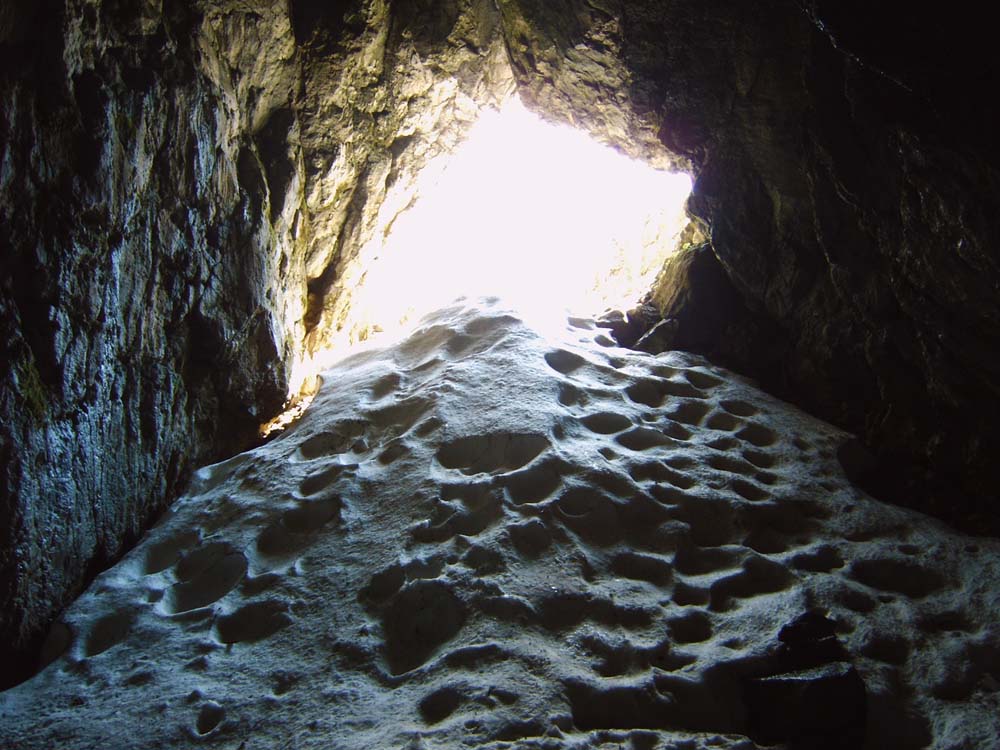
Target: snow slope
[[485, 537]]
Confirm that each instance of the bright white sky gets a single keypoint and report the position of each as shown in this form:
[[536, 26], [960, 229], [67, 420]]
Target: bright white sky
[[538, 214]]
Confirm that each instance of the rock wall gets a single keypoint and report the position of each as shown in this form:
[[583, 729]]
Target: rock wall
[[846, 174], [487, 537], [140, 319]]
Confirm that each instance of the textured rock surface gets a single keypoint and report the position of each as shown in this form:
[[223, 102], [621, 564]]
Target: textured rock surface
[[484, 537], [386, 88]]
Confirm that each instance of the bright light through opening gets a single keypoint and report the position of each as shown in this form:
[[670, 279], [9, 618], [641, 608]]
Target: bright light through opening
[[537, 214]]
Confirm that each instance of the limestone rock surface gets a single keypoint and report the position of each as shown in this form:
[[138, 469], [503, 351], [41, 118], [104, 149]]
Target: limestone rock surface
[[490, 537]]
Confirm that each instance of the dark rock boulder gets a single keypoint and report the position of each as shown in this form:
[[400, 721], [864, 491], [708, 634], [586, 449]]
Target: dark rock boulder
[[627, 328]]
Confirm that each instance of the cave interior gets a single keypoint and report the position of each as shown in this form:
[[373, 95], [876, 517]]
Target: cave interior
[[197, 200]]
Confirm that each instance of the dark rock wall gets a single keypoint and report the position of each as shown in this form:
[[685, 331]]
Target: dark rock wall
[[137, 309], [846, 170]]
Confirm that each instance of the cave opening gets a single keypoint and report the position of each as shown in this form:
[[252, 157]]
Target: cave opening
[[529, 211]]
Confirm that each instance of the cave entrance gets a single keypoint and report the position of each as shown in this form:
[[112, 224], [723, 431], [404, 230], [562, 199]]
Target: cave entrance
[[537, 214]]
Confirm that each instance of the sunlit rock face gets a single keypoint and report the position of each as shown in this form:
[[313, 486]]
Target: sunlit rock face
[[489, 537], [532, 211], [387, 88]]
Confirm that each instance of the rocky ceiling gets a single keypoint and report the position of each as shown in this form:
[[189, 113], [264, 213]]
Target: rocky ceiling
[[183, 186]]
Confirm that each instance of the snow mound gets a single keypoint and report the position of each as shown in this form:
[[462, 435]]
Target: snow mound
[[486, 537]]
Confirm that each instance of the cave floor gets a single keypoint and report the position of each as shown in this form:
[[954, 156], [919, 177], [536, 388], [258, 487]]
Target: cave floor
[[487, 537]]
